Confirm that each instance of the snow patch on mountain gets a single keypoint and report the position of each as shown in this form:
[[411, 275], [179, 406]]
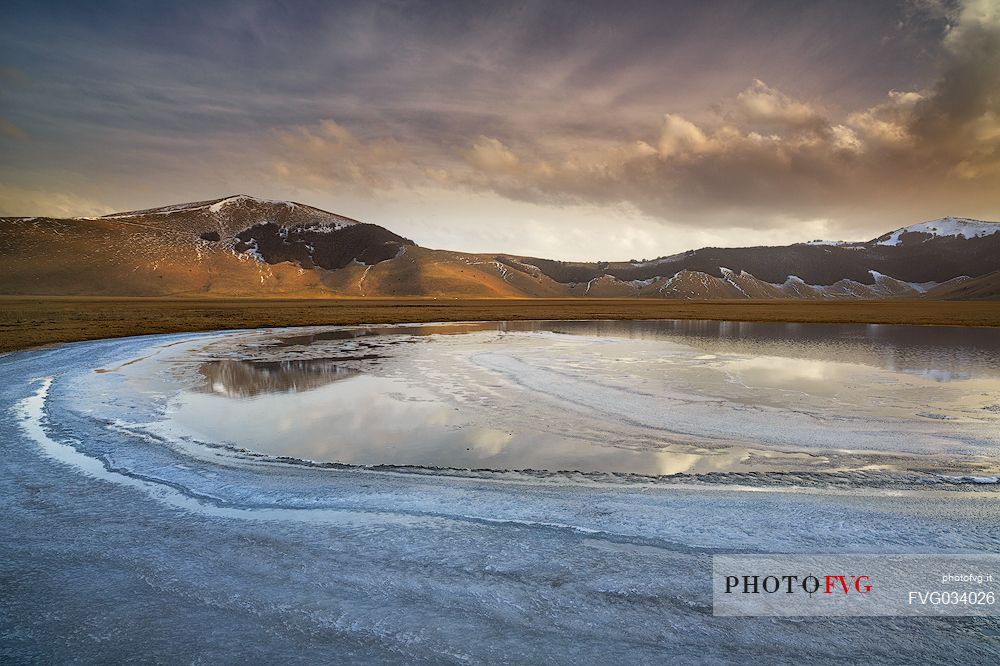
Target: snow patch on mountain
[[658, 260], [329, 227], [944, 227], [240, 198], [639, 284]]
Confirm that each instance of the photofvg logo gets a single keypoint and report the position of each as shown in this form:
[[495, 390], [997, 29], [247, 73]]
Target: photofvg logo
[[787, 584], [855, 585]]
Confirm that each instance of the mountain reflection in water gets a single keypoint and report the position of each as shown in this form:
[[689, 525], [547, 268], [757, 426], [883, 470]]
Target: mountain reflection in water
[[246, 379], [939, 353]]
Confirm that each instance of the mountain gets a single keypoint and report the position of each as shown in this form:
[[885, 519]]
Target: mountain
[[245, 246], [984, 287]]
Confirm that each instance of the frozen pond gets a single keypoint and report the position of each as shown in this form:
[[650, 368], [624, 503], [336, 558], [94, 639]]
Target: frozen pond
[[639, 397], [532, 492]]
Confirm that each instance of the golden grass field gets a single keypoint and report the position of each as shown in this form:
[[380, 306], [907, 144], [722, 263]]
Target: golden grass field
[[31, 321]]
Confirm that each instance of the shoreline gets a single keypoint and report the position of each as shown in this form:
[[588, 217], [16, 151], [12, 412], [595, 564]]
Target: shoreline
[[34, 321]]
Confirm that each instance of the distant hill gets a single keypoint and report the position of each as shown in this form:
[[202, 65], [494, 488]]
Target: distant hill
[[984, 287], [245, 246]]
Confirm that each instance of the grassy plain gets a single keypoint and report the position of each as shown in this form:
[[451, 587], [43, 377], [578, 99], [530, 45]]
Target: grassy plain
[[31, 321]]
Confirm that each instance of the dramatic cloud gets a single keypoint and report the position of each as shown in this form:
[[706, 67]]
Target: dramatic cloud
[[332, 154], [763, 106], [491, 155], [671, 123], [767, 152]]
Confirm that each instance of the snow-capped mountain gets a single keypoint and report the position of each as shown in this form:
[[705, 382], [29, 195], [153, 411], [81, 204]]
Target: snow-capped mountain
[[946, 227], [246, 246], [233, 214]]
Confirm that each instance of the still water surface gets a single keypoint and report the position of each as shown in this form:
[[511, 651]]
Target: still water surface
[[647, 397]]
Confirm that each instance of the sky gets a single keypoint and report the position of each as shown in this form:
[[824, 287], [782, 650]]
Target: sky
[[571, 130]]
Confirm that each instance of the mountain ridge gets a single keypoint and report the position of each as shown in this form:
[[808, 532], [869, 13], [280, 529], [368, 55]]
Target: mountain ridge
[[241, 245]]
